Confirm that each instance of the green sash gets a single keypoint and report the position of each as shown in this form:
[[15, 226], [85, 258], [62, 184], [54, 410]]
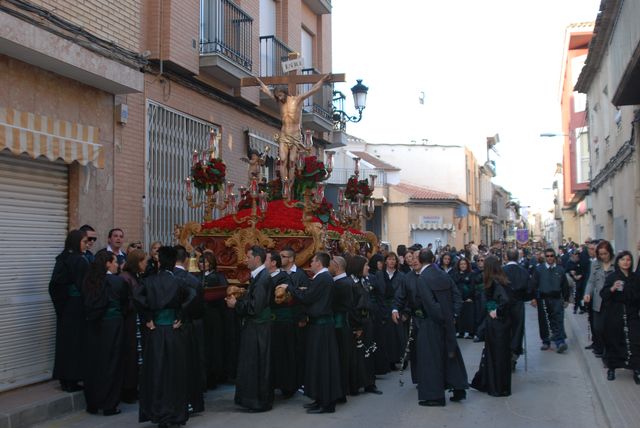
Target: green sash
[[165, 317]]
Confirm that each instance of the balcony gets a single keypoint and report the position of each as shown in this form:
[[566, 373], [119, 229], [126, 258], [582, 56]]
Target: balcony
[[317, 109], [225, 41], [319, 7]]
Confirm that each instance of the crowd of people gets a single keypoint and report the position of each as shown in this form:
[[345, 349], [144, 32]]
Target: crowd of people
[[137, 326]]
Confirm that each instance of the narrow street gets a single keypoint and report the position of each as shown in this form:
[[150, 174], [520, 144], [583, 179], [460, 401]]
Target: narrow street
[[555, 391]]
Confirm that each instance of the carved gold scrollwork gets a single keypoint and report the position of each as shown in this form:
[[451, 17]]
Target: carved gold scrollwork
[[184, 233], [245, 238]]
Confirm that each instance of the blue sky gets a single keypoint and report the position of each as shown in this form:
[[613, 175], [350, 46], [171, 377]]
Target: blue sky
[[485, 67]]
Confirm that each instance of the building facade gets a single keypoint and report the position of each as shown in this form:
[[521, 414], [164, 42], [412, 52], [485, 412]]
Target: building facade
[[101, 108], [611, 81]]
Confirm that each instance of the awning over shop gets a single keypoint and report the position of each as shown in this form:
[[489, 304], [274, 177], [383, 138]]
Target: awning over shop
[[260, 144], [433, 226], [36, 135]]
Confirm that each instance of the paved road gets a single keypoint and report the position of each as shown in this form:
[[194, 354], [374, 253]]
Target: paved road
[[554, 392]]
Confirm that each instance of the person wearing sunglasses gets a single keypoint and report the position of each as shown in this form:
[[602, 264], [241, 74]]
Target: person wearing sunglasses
[[551, 288], [92, 237]]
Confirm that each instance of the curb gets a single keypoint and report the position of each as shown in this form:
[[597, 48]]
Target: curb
[[55, 404]]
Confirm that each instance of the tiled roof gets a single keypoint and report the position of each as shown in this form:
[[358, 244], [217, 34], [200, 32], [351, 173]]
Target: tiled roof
[[417, 192], [367, 157]]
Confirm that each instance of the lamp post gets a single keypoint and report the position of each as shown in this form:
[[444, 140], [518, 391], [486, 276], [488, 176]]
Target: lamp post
[[340, 117]]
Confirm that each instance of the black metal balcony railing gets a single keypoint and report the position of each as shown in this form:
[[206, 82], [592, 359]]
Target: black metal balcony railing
[[272, 53], [316, 103], [227, 30]]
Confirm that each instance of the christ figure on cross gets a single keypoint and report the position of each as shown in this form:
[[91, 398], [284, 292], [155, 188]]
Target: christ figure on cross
[[290, 137]]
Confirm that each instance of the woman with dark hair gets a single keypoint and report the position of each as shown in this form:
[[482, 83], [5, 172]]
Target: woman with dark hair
[[446, 263], [65, 291], [463, 277], [152, 262], [105, 300], [362, 372], [621, 303], [393, 337], [132, 272], [220, 344], [600, 269], [494, 374]]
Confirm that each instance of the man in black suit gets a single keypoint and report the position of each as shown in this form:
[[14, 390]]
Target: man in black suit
[[342, 306], [253, 381], [322, 367], [440, 363], [519, 283]]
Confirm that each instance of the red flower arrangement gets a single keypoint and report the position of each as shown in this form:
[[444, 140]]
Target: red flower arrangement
[[324, 212], [313, 172], [355, 187], [208, 175]]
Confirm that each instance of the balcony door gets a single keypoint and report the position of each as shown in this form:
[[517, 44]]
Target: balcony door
[[267, 28]]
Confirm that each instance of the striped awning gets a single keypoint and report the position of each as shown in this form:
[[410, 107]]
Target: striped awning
[[36, 135], [433, 226]]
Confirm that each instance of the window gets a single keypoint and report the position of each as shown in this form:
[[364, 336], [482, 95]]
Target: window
[[582, 155], [171, 139]]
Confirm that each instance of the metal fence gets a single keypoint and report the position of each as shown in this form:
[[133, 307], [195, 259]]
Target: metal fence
[[272, 53]]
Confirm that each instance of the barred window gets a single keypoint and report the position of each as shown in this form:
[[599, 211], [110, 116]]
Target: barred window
[[172, 137]]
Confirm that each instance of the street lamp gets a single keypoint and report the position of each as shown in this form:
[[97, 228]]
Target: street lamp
[[340, 118]]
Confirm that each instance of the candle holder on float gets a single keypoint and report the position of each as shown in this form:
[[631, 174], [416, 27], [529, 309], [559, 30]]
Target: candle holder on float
[[208, 175], [355, 202], [258, 202]]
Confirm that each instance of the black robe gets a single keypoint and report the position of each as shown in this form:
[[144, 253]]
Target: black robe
[[283, 341], [362, 370], [393, 335], [342, 307], [164, 298], [621, 350], [407, 302], [253, 379], [65, 291], [519, 283], [466, 320], [105, 340], [194, 336], [494, 374], [132, 346], [300, 279], [440, 363], [322, 367]]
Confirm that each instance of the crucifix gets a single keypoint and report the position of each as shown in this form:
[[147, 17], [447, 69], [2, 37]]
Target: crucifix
[[290, 137]]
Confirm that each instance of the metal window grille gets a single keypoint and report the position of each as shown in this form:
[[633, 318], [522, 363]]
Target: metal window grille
[[171, 139]]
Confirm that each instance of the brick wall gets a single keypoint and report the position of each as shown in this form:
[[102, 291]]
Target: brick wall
[[114, 20]]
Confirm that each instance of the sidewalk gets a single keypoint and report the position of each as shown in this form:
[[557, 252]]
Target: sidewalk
[[620, 398], [33, 404]]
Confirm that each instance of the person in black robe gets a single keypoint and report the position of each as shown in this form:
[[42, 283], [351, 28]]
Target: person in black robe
[[193, 333], [479, 300], [519, 283], [163, 300], [395, 337], [132, 348], [576, 271], [342, 305], [494, 374], [407, 306], [254, 390], [621, 303], [301, 280], [440, 363], [379, 316], [283, 330], [219, 324], [322, 367], [65, 290], [106, 298], [463, 278], [362, 370]]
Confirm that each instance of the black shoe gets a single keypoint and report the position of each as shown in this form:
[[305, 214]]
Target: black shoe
[[341, 400], [260, 410], [111, 412], [598, 354], [513, 366], [589, 346], [313, 405], [327, 409], [545, 347], [71, 386], [92, 410], [611, 374], [433, 403], [561, 348], [636, 377], [372, 389], [458, 395]]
